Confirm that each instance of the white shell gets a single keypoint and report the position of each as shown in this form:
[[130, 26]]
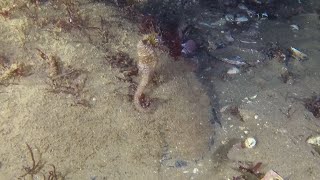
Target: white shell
[[295, 53], [250, 142], [233, 70], [314, 140], [294, 27]]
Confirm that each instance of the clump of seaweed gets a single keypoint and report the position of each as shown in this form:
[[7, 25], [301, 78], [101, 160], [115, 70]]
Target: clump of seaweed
[[126, 65], [234, 111], [37, 166], [275, 51], [167, 29], [7, 12], [288, 112], [147, 24], [313, 105], [128, 70], [65, 79], [74, 19]]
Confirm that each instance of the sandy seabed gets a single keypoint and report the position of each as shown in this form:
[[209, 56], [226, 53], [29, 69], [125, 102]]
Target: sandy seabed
[[106, 138]]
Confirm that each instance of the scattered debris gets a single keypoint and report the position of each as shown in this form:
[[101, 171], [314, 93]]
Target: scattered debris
[[65, 79], [11, 71], [275, 51], [236, 60], [249, 170], [74, 20], [126, 65], [15, 70], [6, 12]]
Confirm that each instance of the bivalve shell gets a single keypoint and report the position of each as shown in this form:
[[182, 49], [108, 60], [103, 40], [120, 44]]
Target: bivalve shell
[[250, 142]]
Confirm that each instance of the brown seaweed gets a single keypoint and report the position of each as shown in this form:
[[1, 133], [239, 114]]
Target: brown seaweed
[[37, 166]]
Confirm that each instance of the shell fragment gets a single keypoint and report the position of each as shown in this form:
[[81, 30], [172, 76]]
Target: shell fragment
[[296, 54], [314, 140], [250, 142]]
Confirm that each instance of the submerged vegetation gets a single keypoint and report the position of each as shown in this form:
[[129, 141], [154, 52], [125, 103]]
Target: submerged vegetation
[[11, 71], [65, 79], [36, 169], [72, 20]]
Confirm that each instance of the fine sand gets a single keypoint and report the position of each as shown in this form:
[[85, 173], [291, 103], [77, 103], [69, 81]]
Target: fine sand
[[98, 134]]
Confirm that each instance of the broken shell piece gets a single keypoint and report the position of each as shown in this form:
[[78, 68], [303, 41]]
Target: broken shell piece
[[294, 27], [250, 142], [241, 19], [314, 140], [229, 18], [233, 70], [272, 175], [295, 53]]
